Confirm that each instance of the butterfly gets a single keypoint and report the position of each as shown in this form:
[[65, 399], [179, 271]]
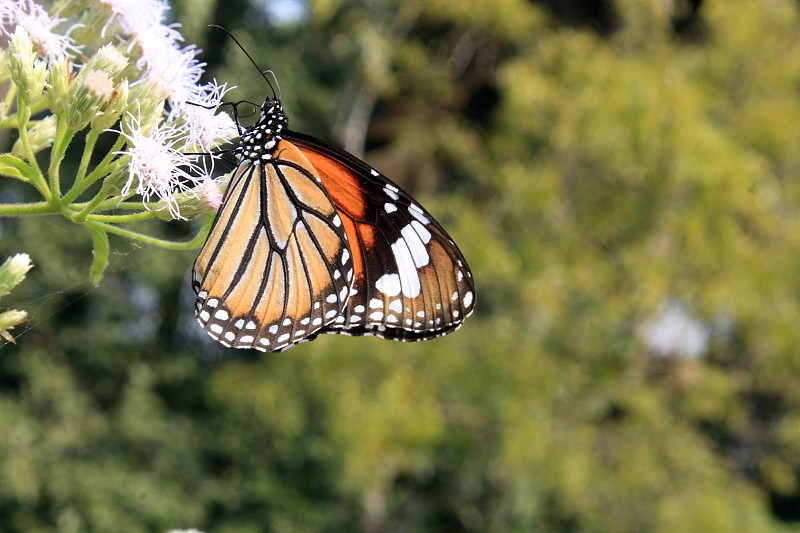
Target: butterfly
[[309, 239]]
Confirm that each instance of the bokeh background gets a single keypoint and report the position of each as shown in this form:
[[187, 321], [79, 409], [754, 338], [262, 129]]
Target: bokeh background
[[621, 175]]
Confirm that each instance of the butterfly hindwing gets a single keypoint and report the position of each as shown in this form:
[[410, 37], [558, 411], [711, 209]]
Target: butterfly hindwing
[[276, 267], [411, 281]]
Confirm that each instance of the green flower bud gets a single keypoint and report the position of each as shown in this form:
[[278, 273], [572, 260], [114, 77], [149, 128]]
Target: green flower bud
[[41, 135], [108, 60], [201, 200], [28, 73], [70, 8], [8, 320], [114, 182], [58, 86], [86, 95], [13, 271], [113, 108], [146, 105]]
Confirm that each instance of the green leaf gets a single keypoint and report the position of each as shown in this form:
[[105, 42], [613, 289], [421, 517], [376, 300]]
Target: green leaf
[[100, 244], [14, 167]]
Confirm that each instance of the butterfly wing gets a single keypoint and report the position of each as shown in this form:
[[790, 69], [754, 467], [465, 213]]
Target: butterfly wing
[[276, 266], [411, 281]]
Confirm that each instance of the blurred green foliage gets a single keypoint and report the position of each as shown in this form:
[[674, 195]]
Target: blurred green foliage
[[588, 173]]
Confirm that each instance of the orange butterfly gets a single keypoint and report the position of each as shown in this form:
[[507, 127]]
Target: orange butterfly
[[311, 240]]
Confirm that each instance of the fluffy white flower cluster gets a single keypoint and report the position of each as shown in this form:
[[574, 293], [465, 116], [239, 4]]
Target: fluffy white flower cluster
[[168, 115]]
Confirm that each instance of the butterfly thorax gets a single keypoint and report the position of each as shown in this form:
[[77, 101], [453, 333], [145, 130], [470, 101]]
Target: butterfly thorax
[[259, 141]]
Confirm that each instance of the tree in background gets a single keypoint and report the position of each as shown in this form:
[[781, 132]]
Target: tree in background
[[622, 183]]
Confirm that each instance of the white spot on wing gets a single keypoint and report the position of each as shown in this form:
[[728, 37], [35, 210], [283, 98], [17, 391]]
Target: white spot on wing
[[416, 212], [416, 247], [468, 299], [406, 265], [389, 284], [422, 231], [389, 207], [391, 193]]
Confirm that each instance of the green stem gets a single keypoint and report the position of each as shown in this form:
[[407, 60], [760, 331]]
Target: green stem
[[195, 242], [117, 203], [63, 138], [91, 139], [11, 121], [116, 219], [102, 168], [38, 208], [38, 181], [89, 207]]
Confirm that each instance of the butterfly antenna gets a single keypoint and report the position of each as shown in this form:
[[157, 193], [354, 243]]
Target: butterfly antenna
[[218, 27], [275, 79]]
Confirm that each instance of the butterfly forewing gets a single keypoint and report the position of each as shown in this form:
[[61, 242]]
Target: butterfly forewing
[[411, 281], [276, 266]]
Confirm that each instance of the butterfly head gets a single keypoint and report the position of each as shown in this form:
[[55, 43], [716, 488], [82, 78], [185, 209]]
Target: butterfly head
[[260, 139]]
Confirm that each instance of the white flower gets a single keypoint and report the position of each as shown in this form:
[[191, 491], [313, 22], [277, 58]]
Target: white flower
[[178, 66], [160, 47], [40, 27], [135, 16], [211, 195], [157, 167], [207, 129]]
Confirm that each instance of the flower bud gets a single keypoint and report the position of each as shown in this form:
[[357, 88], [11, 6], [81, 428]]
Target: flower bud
[[71, 8], [114, 182], [203, 199], [13, 271], [108, 60], [28, 73], [87, 94], [112, 109], [148, 98], [41, 135], [58, 86], [8, 320]]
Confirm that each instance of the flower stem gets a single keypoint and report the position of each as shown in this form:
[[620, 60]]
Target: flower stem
[[11, 121], [102, 168], [37, 208], [63, 138], [37, 179], [91, 139], [191, 244], [117, 203], [89, 207], [116, 219]]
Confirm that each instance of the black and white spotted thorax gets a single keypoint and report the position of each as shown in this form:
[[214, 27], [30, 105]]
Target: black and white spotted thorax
[[258, 141]]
